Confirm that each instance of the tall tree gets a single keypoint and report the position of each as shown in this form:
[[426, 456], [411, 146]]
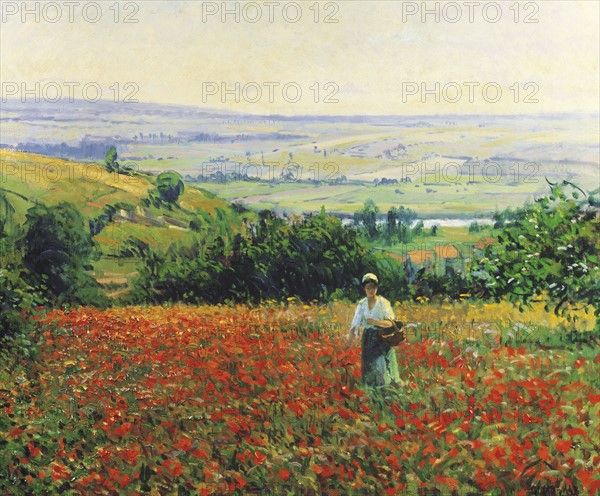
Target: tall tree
[[368, 217], [110, 160]]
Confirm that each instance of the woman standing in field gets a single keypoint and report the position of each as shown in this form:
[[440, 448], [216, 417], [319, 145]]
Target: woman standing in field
[[379, 362]]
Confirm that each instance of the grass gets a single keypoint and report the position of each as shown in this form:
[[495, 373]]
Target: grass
[[50, 180], [88, 186], [440, 200]]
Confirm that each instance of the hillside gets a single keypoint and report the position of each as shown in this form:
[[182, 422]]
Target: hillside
[[28, 178]]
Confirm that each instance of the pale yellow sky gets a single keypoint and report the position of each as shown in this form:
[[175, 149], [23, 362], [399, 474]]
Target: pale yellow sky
[[377, 58]]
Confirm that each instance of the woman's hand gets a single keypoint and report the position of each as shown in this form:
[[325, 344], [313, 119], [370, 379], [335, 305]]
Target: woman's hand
[[349, 339]]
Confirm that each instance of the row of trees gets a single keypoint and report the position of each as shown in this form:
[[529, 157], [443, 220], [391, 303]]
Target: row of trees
[[547, 249], [397, 226], [313, 258]]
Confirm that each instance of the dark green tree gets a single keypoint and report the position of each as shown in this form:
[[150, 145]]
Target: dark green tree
[[392, 221], [58, 248], [169, 187], [405, 217], [110, 160], [17, 298], [6, 215]]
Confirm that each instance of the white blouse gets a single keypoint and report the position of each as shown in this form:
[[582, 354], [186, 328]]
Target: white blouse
[[381, 310]]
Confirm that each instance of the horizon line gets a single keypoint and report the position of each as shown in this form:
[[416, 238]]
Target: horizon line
[[228, 112]]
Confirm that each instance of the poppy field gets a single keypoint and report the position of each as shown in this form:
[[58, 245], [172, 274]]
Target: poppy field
[[267, 400]]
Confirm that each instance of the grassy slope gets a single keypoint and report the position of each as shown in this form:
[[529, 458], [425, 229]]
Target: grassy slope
[[90, 188]]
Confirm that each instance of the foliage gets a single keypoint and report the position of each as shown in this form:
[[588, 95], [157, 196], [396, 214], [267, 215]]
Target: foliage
[[430, 284], [549, 250], [504, 216], [238, 400], [475, 227], [398, 222], [111, 164], [201, 221], [184, 273], [397, 227], [169, 187], [110, 160], [313, 258], [17, 299], [418, 228], [367, 216], [393, 283], [58, 247], [6, 218]]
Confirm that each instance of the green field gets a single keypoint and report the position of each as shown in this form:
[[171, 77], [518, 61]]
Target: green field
[[444, 171], [428, 200]]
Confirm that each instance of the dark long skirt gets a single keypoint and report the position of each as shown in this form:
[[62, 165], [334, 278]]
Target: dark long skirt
[[379, 361]]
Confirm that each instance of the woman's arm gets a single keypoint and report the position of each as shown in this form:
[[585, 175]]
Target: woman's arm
[[350, 337], [356, 323], [379, 323], [358, 316]]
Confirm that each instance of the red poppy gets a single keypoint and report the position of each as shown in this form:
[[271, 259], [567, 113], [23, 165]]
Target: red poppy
[[563, 445]]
